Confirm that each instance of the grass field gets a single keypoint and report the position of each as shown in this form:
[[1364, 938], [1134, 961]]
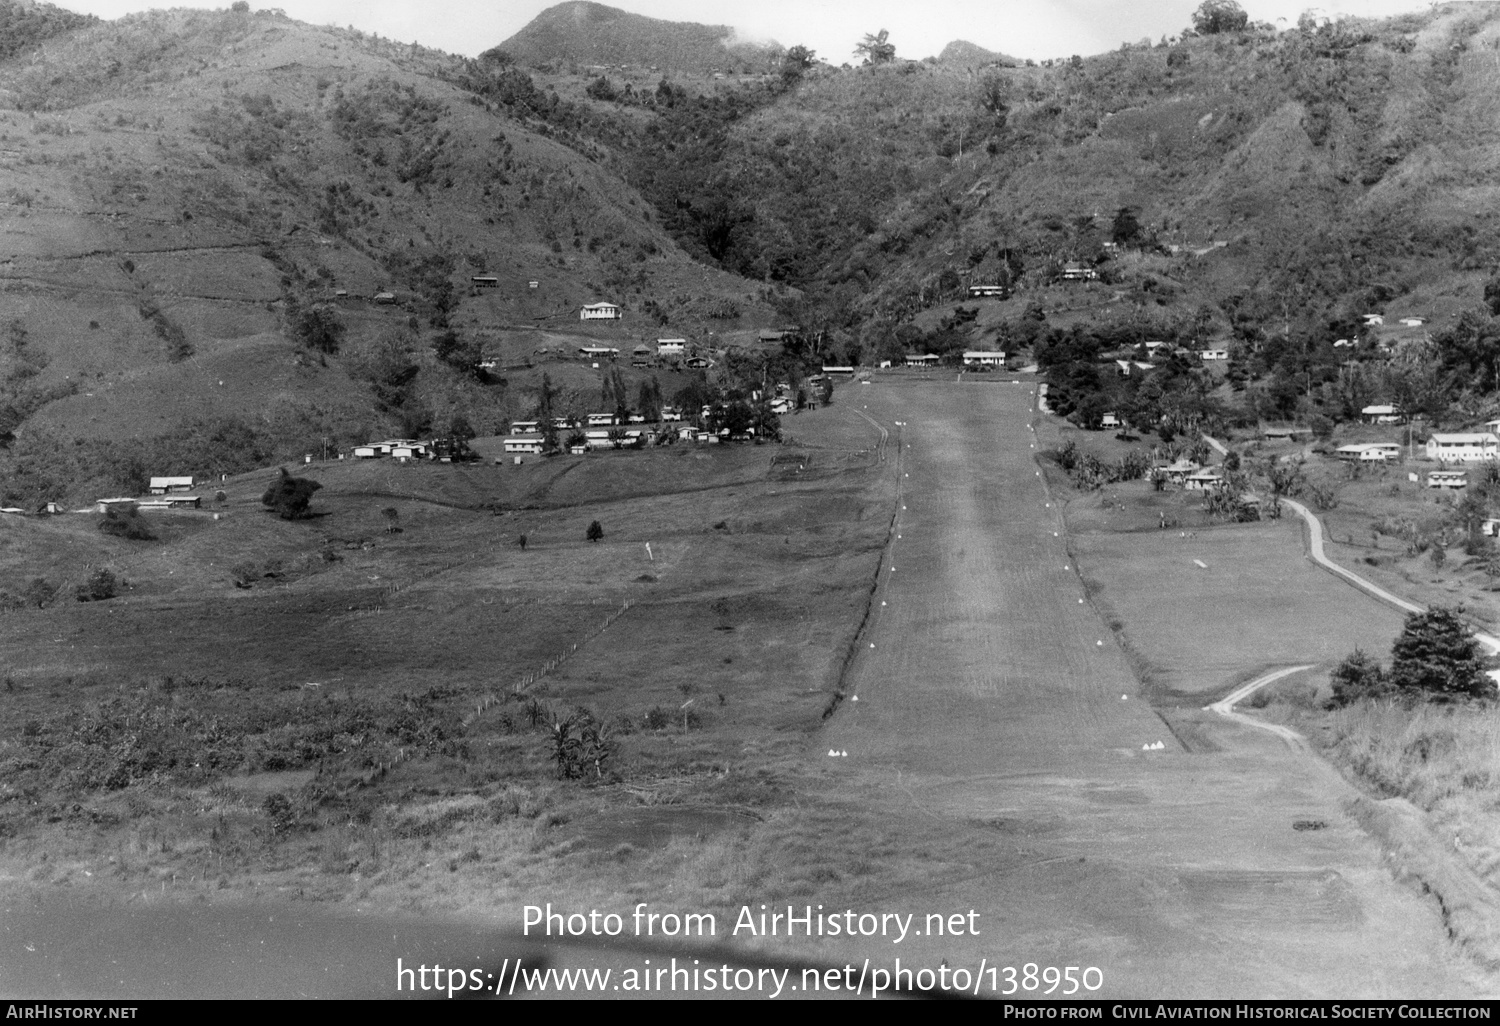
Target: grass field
[[1254, 605], [320, 726]]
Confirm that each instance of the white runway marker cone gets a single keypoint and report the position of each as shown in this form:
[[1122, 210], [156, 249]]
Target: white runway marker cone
[[854, 699], [1099, 643], [845, 754], [834, 755]]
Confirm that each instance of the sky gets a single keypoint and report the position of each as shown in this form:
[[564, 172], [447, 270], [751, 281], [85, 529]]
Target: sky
[[1036, 29]]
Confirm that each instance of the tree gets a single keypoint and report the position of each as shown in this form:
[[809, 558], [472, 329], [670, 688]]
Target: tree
[[546, 397], [794, 64], [459, 427], [595, 531], [1437, 658], [1215, 16], [289, 496], [319, 327], [875, 49], [1357, 677], [993, 93], [126, 523], [1125, 230]]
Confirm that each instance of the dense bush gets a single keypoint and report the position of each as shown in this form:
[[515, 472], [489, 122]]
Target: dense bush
[[126, 523], [289, 496], [1357, 677]]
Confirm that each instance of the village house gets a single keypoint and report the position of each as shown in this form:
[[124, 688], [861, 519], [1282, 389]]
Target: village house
[[781, 405], [924, 360], [1447, 479], [699, 362], [1381, 414], [601, 420], [1290, 434], [1209, 355], [597, 352], [1411, 322], [163, 485], [671, 348], [1489, 527], [409, 451], [1176, 473], [1109, 420], [641, 356], [485, 281], [1129, 367], [1369, 452], [599, 312], [118, 502], [988, 292], [174, 501], [846, 371], [1469, 447], [670, 413], [1079, 272], [598, 438], [1203, 480], [524, 427], [523, 444], [984, 358], [1372, 319]]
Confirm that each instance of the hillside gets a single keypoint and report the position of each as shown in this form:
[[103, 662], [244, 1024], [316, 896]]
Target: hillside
[[190, 197], [585, 35], [1301, 176]]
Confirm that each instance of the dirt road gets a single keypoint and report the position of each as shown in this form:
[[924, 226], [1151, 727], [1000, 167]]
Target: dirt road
[[981, 692]]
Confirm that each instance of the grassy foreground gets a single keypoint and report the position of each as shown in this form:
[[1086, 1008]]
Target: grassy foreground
[[367, 706]]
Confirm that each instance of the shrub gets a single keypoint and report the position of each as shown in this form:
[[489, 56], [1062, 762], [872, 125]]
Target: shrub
[[595, 531], [101, 585], [126, 523], [1357, 677]]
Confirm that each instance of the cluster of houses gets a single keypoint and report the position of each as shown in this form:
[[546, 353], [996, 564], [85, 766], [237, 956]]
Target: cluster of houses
[[669, 351], [163, 493], [973, 359]]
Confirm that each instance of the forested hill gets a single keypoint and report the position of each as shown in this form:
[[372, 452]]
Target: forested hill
[[1291, 176], [588, 34]]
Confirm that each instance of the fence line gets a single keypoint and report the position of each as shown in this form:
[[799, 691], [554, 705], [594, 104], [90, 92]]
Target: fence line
[[528, 679]]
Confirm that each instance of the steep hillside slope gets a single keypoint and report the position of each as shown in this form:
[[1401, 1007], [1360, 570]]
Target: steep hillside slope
[[1300, 175], [589, 34], [188, 195]]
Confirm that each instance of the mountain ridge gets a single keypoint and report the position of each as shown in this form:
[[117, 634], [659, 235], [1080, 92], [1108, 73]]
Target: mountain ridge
[[584, 33]]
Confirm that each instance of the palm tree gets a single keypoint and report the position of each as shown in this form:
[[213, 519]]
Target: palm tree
[[875, 49]]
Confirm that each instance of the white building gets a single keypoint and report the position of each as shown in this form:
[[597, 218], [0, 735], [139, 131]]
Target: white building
[[1207, 355], [1472, 447], [1369, 452], [599, 312], [598, 352], [984, 358], [1382, 414], [601, 420], [523, 443], [666, 347]]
